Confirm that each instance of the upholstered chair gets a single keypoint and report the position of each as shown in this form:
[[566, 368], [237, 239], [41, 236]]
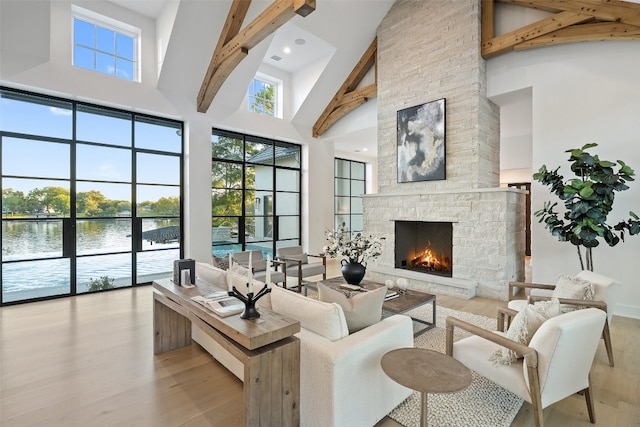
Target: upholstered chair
[[298, 264], [604, 298], [259, 266], [555, 364]]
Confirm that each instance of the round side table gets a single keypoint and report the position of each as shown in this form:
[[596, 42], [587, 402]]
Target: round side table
[[426, 371]]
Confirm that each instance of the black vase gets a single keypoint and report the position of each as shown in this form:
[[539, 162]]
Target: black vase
[[353, 271]]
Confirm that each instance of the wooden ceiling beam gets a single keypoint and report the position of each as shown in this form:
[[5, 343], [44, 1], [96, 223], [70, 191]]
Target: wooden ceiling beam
[[232, 25], [506, 42], [573, 21], [605, 10], [598, 31], [347, 97], [234, 44]]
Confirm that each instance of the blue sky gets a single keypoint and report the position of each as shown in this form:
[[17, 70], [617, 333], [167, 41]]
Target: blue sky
[[51, 160]]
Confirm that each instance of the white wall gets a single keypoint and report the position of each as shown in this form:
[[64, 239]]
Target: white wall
[[582, 93]]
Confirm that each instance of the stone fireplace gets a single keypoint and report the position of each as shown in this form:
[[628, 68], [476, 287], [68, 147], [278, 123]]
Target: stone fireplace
[[424, 246], [487, 222]]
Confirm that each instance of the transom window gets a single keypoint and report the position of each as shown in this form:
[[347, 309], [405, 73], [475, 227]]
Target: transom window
[[105, 45], [264, 96]]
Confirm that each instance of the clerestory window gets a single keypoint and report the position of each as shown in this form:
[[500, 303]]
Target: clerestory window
[[105, 45], [264, 96]]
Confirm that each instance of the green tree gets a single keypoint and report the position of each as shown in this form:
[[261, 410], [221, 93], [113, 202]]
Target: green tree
[[167, 206], [91, 203], [13, 202], [588, 199]]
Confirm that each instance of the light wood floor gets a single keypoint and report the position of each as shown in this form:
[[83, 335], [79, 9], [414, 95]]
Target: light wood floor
[[88, 361]]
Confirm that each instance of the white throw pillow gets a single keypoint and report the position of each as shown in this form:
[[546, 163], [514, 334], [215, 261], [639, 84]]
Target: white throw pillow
[[573, 288], [523, 326], [325, 319], [361, 310]]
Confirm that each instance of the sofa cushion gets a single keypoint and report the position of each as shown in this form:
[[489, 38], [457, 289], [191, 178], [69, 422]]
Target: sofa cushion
[[361, 310], [212, 275], [219, 262], [325, 319], [523, 326]]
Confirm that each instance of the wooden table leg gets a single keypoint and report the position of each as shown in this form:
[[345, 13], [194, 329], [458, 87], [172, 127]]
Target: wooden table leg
[[423, 418]]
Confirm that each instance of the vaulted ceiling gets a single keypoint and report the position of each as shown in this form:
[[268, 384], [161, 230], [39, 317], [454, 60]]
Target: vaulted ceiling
[[217, 46]]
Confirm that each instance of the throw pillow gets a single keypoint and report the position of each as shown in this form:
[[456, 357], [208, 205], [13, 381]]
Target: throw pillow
[[361, 310], [573, 288], [222, 263], [523, 326], [324, 319]]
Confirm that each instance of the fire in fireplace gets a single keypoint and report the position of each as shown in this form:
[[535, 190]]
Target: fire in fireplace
[[424, 246]]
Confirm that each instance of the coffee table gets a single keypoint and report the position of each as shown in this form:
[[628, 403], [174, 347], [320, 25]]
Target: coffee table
[[426, 371], [406, 301]]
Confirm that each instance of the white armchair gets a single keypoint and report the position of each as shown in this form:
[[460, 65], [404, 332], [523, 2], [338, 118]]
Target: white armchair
[[556, 362], [606, 290]]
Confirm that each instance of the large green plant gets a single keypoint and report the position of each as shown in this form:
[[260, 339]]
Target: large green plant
[[588, 199]]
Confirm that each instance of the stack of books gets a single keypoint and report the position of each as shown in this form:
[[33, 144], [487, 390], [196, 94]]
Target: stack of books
[[220, 303], [391, 294]]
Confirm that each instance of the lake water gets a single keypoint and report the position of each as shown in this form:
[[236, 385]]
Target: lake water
[[31, 241]]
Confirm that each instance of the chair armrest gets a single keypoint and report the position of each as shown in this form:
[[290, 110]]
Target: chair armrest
[[505, 313], [294, 261], [577, 302], [524, 285], [276, 262], [530, 355], [322, 256]]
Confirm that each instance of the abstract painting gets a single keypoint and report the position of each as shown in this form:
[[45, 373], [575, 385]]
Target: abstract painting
[[421, 142]]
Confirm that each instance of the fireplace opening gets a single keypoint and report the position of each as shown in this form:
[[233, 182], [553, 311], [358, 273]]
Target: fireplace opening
[[424, 246]]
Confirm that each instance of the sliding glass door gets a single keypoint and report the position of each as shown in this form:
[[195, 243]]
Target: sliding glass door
[[91, 197], [255, 194]]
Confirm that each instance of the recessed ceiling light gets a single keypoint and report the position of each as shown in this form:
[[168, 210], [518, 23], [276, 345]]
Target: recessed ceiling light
[[287, 49], [300, 42], [365, 149]]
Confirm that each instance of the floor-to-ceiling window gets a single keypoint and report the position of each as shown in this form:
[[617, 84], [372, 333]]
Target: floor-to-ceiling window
[[255, 184], [350, 186], [91, 197]]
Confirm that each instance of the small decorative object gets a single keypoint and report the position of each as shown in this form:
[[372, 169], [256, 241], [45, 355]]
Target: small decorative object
[[421, 142], [403, 284], [390, 284], [353, 271], [250, 299], [184, 264], [357, 248]]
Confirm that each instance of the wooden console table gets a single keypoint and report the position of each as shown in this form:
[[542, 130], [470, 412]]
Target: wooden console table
[[265, 346]]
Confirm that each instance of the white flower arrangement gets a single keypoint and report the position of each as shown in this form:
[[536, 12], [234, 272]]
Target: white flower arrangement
[[357, 249]]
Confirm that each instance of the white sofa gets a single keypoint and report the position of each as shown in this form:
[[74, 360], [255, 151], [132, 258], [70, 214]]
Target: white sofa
[[341, 381]]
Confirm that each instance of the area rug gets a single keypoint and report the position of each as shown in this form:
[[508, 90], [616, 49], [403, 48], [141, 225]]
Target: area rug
[[482, 404]]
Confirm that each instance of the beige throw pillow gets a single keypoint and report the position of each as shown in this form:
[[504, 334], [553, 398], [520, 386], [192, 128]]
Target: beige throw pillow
[[361, 310], [572, 288], [325, 319], [523, 326]]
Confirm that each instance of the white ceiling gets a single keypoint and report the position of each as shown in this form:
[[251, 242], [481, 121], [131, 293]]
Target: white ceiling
[[327, 32]]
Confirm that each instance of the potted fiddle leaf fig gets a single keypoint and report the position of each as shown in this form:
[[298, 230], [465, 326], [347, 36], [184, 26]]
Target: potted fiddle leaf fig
[[588, 199]]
